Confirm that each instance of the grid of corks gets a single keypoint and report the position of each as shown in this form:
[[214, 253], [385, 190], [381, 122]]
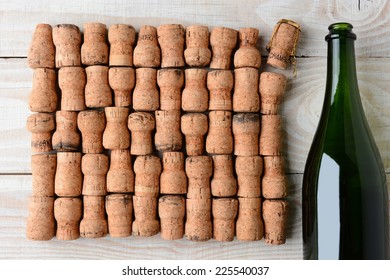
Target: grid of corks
[[172, 130]]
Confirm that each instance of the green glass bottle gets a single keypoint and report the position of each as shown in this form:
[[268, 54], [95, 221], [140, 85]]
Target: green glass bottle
[[345, 200]]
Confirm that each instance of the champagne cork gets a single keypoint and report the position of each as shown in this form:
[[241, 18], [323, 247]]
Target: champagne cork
[[170, 82], [222, 40], [67, 40], [122, 39], [147, 51], [246, 98], [168, 136], [141, 125], [97, 91], [195, 95], [249, 171], [220, 138], [40, 220], [72, 82], [223, 183], [119, 208], [94, 223], [247, 55], [199, 170], [68, 179], [171, 209], [147, 171], [94, 50], [94, 168], [198, 226], [43, 168], [67, 212], [146, 96], [249, 226], [194, 126], [145, 213], [122, 82], [116, 136], [270, 141], [120, 176], [171, 40], [41, 126], [274, 182], [224, 218], [275, 216], [220, 85], [66, 137], [173, 179], [41, 49], [272, 87], [197, 52], [91, 124], [246, 129], [43, 95]]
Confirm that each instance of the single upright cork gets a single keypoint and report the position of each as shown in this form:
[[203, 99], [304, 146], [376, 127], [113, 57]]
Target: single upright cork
[[222, 41], [43, 168], [272, 87], [224, 215], [171, 209], [168, 136], [122, 82], [147, 171], [141, 125], [66, 137], [67, 212], [220, 138], [120, 176], [92, 123], [249, 171], [195, 95], [249, 226], [247, 55], [119, 208], [94, 223], [173, 179], [275, 216], [43, 95], [199, 170], [171, 40], [146, 96], [197, 52], [40, 220], [41, 49], [246, 97], [145, 213], [220, 85], [94, 50], [67, 39], [97, 91], [68, 179], [223, 183], [122, 39], [72, 81], [116, 135], [147, 51], [194, 126], [246, 129], [274, 182], [170, 82], [198, 225], [270, 141], [41, 126], [94, 168]]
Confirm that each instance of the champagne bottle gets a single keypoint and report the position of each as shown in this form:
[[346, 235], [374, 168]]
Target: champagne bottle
[[345, 200]]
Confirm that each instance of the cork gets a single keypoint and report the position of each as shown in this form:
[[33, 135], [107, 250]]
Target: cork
[[147, 171], [171, 40], [197, 52], [168, 136], [220, 85], [145, 213], [41, 50], [198, 226], [72, 81], [94, 223], [171, 209], [223, 183], [119, 208], [249, 226], [116, 134], [43, 96], [97, 91], [67, 41], [41, 126], [43, 168], [194, 126], [122, 40], [199, 170], [94, 168], [94, 50], [249, 171], [146, 95], [275, 216], [141, 125], [195, 97], [170, 82], [246, 98], [247, 54], [274, 182], [272, 87], [68, 179], [173, 179], [270, 141], [224, 218], [91, 124], [246, 129], [222, 40], [220, 138], [40, 220], [122, 82], [67, 212], [120, 176], [147, 51], [66, 137]]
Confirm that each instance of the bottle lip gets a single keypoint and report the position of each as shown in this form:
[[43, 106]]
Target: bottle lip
[[340, 30]]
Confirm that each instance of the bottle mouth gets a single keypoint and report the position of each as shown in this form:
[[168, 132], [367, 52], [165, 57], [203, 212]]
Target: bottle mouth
[[340, 30]]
